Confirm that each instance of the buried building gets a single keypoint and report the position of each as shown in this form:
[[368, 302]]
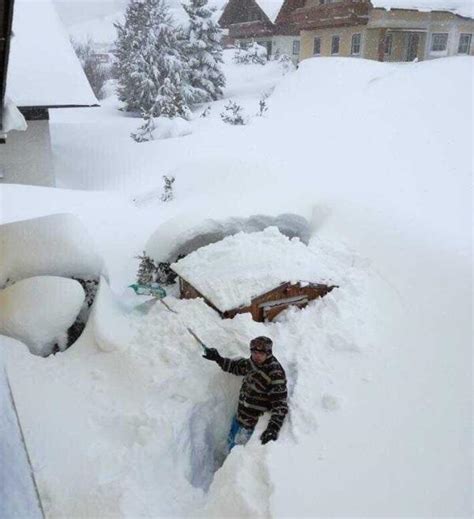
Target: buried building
[[262, 273]]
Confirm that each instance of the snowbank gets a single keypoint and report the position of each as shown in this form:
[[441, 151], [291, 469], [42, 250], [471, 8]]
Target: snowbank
[[51, 245], [230, 273], [110, 327], [38, 311], [166, 128], [183, 234]]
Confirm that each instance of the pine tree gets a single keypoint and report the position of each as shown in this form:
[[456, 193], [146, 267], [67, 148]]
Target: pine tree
[[170, 101], [147, 270], [149, 50], [128, 44], [233, 114], [145, 132], [204, 51]]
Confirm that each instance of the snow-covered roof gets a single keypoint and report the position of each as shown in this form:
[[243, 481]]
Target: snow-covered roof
[[460, 7], [43, 68], [230, 273], [271, 8]]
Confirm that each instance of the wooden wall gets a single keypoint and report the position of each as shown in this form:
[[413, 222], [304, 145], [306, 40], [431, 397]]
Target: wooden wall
[[266, 306]]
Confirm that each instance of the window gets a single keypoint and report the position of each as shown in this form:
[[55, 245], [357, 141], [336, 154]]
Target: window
[[464, 43], [335, 45], [296, 47], [387, 44], [355, 46], [439, 41], [317, 46]]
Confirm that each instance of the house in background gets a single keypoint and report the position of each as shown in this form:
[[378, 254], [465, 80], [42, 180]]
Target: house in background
[[248, 21], [383, 30], [43, 72]]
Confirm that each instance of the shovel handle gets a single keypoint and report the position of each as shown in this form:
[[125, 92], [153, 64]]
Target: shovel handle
[[197, 339]]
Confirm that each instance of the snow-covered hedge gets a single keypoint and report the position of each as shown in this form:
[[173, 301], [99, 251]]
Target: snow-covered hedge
[[54, 245], [39, 311]]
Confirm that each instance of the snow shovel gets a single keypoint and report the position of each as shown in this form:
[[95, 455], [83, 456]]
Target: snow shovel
[[152, 289], [198, 340]]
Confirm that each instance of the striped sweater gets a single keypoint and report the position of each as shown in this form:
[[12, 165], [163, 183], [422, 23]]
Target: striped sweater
[[263, 389]]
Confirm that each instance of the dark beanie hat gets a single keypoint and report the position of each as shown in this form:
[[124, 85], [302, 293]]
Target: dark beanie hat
[[262, 343]]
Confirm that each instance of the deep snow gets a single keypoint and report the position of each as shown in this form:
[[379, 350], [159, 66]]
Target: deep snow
[[38, 311], [378, 157]]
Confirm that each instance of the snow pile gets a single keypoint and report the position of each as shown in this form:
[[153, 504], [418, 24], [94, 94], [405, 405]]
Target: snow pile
[[12, 118], [232, 272], [38, 311], [107, 310], [166, 128], [182, 235], [52, 245], [461, 7]]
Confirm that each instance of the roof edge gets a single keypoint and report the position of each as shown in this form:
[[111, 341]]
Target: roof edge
[[414, 10], [8, 6]]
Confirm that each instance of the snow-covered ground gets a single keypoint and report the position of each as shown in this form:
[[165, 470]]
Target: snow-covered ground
[[378, 158]]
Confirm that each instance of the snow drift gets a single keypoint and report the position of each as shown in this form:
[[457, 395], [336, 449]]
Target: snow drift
[[56, 245], [38, 311], [187, 233]]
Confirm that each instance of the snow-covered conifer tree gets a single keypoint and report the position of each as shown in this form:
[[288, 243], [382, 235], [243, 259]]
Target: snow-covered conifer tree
[[204, 51], [149, 51], [127, 50], [146, 270]]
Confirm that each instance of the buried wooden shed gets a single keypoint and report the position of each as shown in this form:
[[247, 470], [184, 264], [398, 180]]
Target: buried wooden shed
[[260, 273]]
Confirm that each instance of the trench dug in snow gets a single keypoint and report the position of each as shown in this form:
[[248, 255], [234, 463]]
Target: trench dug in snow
[[207, 450]]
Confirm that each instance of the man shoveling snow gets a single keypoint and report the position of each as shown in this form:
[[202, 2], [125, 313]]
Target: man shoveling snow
[[263, 389]]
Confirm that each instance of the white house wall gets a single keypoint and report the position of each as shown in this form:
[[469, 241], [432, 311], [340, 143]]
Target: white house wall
[[284, 45], [454, 30], [26, 157]]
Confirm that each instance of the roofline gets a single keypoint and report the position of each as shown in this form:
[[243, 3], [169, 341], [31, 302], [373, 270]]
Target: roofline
[[47, 107], [439, 11], [9, 4]]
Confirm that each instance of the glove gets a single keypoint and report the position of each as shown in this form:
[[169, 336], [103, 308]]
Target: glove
[[268, 435], [212, 354]]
